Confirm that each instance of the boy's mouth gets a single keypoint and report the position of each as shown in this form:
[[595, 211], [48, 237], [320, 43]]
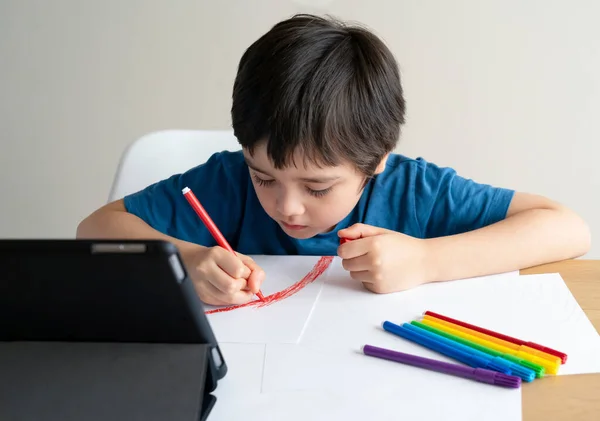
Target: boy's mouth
[[292, 227]]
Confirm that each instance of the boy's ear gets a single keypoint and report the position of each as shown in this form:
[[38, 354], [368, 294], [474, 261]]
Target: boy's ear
[[381, 165]]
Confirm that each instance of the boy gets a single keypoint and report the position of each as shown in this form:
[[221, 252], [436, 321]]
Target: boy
[[317, 108]]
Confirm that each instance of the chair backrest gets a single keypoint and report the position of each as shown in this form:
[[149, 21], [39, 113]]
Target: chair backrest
[[159, 155]]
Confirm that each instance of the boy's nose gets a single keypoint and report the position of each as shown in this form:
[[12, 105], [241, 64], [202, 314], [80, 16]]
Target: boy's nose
[[288, 205]]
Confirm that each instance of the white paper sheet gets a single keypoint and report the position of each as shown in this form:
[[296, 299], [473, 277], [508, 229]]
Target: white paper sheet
[[298, 367], [556, 320], [326, 377], [279, 322], [338, 406], [239, 398], [537, 308], [348, 315], [329, 361], [245, 366]]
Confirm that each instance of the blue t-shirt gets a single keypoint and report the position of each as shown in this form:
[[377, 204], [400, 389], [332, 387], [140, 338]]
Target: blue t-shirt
[[411, 196]]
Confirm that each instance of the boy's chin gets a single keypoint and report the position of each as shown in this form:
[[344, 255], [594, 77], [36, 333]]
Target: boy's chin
[[301, 234]]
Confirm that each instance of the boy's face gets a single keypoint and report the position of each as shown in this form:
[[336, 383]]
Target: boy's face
[[304, 200]]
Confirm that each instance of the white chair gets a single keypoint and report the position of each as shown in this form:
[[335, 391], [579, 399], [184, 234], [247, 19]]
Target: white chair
[[159, 155]]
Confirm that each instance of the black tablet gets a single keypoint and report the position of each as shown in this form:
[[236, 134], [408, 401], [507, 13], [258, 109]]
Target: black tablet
[[101, 291]]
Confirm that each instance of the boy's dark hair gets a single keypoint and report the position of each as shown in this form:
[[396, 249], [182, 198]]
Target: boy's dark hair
[[316, 84]]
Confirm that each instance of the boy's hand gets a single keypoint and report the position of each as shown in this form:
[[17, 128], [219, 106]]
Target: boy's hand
[[220, 278], [383, 260]]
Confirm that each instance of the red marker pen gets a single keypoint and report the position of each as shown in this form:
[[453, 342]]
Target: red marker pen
[[210, 225]]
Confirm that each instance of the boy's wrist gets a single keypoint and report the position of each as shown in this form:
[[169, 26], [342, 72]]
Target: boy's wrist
[[432, 271], [453, 257], [189, 252]]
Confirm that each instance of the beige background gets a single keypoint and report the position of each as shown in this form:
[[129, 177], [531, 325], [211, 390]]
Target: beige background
[[507, 92]]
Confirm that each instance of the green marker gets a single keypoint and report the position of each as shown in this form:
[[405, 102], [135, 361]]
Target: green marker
[[537, 369]]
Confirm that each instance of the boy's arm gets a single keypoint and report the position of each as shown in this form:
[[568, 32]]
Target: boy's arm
[[536, 230], [160, 211], [113, 221]]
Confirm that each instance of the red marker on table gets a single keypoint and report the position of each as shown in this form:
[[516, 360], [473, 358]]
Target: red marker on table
[[561, 355], [210, 225]]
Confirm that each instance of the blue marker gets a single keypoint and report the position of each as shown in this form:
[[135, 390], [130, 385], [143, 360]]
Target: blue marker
[[452, 352], [518, 370]]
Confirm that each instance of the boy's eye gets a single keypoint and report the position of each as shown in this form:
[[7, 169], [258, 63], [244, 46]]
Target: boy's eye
[[266, 183], [319, 193], [262, 182]]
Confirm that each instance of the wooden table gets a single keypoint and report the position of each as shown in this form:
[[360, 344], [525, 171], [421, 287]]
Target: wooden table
[[574, 397]]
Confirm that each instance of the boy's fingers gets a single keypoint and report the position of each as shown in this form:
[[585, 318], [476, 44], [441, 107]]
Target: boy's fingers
[[256, 279], [220, 298], [253, 267], [232, 265], [357, 264], [209, 299], [376, 288], [363, 276], [244, 258], [352, 249], [248, 261], [360, 230], [208, 293], [245, 272], [257, 274], [240, 297], [225, 283]]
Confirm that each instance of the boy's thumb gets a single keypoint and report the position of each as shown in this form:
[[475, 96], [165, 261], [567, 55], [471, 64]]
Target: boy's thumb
[[360, 230]]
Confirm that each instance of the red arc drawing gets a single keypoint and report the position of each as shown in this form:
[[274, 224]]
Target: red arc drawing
[[309, 278]]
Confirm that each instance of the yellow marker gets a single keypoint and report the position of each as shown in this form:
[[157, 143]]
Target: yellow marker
[[551, 367], [524, 348]]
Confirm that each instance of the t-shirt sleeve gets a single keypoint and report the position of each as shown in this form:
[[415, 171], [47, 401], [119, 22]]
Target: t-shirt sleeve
[[448, 204], [218, 185]]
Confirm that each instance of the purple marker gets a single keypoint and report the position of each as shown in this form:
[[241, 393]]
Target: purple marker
[[480, 374]]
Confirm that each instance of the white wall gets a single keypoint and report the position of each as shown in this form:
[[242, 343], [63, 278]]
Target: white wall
[[507, 92]]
